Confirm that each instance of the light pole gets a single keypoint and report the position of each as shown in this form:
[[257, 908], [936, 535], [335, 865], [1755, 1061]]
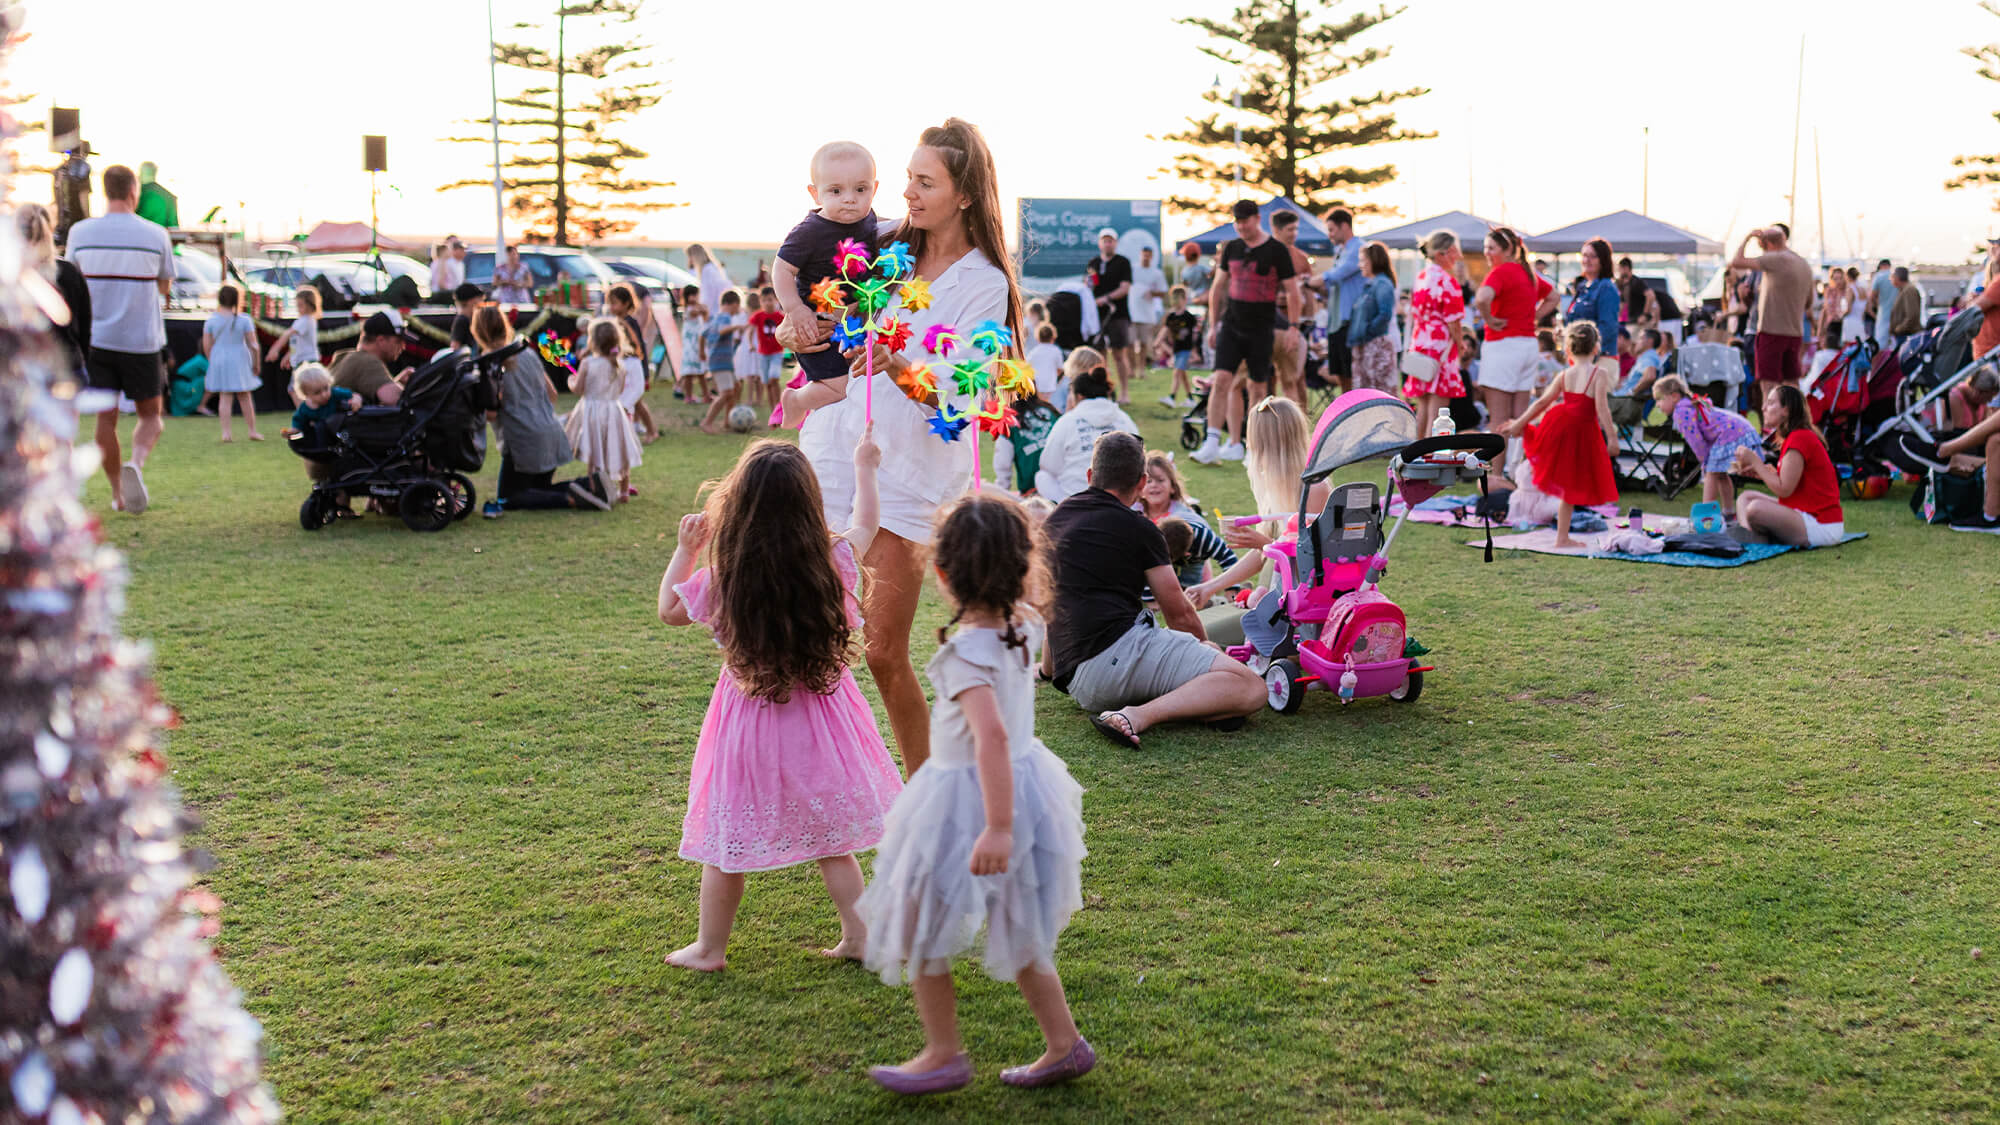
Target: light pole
[[493, 94], [1235, 131]]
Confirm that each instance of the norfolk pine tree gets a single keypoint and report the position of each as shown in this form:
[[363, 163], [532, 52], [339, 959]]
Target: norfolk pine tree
[[1293, 126], [567, 168], [1981, 170]]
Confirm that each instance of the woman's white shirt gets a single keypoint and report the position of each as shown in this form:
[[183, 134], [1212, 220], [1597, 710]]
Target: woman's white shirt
[[920, 471]]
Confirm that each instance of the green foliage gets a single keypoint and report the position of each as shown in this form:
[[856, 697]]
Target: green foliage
[[1657, 844], [568, 161], [1294, 125], [1981, 171]]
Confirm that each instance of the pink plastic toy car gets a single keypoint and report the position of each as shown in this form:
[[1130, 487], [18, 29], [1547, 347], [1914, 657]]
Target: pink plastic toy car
[[1326, 624]]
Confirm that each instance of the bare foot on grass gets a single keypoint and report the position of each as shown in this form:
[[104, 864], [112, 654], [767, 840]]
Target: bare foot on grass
[[849, 949], [696, 958]]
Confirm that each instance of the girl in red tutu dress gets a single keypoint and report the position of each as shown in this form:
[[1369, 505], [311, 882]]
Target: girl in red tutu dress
[[1571, 448], [790, 767]]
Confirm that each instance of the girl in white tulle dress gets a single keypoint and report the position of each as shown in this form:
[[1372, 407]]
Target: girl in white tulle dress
[[599, 429], [989, 833]]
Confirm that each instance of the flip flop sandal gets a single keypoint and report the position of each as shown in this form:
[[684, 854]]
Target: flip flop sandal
[[1120, 732]]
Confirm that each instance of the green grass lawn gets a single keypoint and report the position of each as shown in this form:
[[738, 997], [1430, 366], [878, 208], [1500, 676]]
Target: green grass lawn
[[1656, 843]]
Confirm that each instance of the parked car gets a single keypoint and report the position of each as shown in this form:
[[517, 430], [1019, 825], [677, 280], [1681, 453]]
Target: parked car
[[358, 271], [197, 278], [655, 273], [549, 265]]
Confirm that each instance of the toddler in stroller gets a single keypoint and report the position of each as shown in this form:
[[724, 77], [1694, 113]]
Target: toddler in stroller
[[411, 457]]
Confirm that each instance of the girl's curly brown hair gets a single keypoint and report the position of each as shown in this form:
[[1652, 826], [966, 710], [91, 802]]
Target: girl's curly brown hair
[[985, 549], [780, 607]]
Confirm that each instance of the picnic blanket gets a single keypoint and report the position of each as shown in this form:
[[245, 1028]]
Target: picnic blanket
[[1543, 542], [1442, 510]]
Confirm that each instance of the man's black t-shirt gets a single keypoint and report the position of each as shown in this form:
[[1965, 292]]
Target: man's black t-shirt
[[1101, 551], [461, 331], [1181, 327], [1255, 276], [1106, 276]]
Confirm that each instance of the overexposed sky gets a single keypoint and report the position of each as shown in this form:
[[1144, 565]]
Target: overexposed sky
[[1539, 106]]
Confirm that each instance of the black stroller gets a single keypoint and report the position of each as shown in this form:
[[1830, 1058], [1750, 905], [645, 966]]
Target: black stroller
[[411, 457]]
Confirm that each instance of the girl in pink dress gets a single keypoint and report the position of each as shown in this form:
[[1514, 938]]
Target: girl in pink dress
[[790, 766], [1437, 305]]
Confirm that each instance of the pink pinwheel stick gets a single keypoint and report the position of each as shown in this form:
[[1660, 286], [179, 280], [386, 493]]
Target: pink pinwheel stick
[[868, 386]]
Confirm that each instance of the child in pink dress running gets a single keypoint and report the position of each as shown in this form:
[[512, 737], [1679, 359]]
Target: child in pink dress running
[[790, 767]]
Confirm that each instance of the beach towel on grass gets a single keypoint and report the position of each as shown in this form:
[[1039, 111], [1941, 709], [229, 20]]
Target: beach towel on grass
[[1543, 543]]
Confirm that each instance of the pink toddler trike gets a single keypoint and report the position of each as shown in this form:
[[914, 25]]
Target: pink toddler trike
[[1326, 623]]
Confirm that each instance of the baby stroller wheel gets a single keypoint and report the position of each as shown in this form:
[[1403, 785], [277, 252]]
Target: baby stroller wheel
[[1191, 435], [464, 497], [1411, 689], [1282, 689], [316, 512], [426, 506]]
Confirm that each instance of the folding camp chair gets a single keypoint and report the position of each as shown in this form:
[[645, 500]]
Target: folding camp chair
[[1653, 458]]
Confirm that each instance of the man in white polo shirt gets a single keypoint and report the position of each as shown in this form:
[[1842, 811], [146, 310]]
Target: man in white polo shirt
[[129, 266]]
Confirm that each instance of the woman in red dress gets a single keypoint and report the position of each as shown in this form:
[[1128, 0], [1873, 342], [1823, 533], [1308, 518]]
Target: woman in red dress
[[1572, 446]]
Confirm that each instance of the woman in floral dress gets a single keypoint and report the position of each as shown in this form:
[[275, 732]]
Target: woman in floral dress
[[1437, 305]]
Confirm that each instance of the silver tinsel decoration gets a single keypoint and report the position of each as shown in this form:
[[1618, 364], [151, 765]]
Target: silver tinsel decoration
[[113, 1009]]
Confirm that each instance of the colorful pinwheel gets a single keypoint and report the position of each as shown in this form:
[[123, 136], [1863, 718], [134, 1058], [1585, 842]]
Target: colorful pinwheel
[[893, 332], [1017, 376], [850, 333], [829, 295], [991, 337], [895, 261], [872, 295], [555, 349], [997, 419], [918, 381], [850, 258], [948, 423], [916, 294], [970, 376], [939, 339]]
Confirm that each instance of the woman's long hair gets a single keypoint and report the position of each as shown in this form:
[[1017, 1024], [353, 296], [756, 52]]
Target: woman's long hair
[[963, 150], [38, 232], [1278, 437], [1601, 250], [780, 608], [1515, 249], [1797, 415]]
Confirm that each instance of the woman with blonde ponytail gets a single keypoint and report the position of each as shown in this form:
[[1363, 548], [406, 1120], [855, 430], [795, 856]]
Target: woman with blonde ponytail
[[38, 232]]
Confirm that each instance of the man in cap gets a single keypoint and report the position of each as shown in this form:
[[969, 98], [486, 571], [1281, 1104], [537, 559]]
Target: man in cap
[[366, 370], [1110, 277]]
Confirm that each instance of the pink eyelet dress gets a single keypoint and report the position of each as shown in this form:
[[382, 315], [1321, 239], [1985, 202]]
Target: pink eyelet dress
[[778, 784]]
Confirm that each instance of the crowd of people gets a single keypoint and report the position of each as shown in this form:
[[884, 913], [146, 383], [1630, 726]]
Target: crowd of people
[[1089, 567]]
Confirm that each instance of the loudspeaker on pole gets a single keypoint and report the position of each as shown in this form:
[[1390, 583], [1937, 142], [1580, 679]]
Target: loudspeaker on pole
[[374, 154], [65, 129]]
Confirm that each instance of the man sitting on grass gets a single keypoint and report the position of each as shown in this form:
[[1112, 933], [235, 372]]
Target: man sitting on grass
[[1104, 649]]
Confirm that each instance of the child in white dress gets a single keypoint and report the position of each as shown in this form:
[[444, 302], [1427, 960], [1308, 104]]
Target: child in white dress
[[989, 833], [598, 428]]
